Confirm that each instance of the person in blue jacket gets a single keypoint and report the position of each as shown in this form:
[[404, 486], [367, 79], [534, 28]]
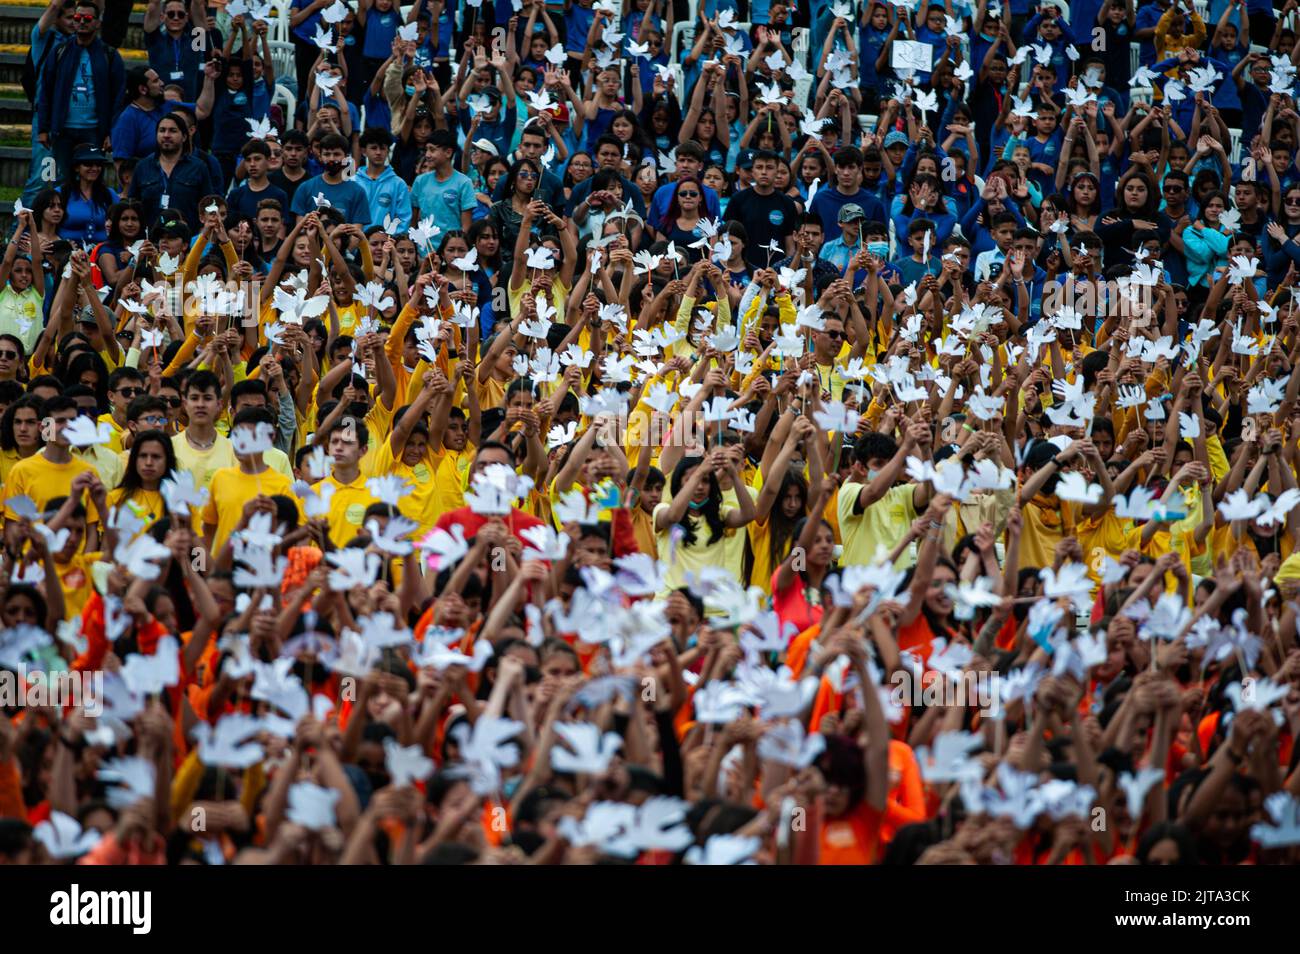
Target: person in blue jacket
[[82, 81], [388, 195]]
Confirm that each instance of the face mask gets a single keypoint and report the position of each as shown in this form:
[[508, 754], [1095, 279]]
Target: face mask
[[333, 168], [871, 474], [878, 249], [697, 506], [410, 91]]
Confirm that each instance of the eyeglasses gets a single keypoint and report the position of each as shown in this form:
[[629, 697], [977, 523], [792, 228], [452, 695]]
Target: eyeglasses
[[175, 14], [1291, 200], [83, 18], [173, 401], [158, 420], [130, 392], [834, 335], [11, 355], [527, 174], [1173, 187], [687, 195]]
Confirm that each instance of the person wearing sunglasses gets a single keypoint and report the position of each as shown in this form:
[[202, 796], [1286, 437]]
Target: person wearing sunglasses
[[1282, 238], [681, 223], [169, 41], [82, 84], [124, 386], [12, 358]]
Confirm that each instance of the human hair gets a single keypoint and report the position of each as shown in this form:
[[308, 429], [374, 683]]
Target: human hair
[[7, 440], [201, 381], [513, 175], [131, 483], [710, 510]]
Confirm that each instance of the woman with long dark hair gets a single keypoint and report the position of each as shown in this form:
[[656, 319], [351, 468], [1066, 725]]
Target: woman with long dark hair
[[125, 228], [152, 458], [692, 530], [86, 199], [484, 239], [508, 214], [1204, 244], [1136, 210], [88, 369], [681, 221], [1281, 247], [1083, 202], [48, 210]]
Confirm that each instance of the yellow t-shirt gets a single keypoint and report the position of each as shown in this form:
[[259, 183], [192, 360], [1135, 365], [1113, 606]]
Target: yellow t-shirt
[[42, 480], [148, 505], [421, 504], [115, 442], [203, 464], [7, 460], [1103, 535], [878, 527], [1046, 522], [682, 559], [230, 489], [451, 477], [104, 462], [76, 581], [347, 507]]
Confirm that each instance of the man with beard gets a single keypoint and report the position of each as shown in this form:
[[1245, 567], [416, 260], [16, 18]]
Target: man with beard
[[172, 178]]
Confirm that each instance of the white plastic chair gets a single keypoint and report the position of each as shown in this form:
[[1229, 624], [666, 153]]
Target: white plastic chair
[[286, 99], [286, 68]]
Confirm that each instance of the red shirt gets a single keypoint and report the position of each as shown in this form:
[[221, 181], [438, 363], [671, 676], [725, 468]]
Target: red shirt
[[517, 520]]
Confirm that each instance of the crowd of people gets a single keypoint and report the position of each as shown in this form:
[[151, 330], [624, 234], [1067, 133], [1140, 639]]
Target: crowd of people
[[531, 433]]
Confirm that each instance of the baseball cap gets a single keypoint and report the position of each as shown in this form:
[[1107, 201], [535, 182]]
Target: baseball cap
[[896, 138], [851, 212], [89, 154], [745, 159], [487, 145]]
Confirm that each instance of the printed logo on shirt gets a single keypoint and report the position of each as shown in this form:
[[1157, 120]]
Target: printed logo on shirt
[[776, 216], [355, 514], [420, 472], [240, 99]]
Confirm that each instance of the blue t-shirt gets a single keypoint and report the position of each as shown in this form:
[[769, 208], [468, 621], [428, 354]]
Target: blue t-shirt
[[381, 28], [577, 24], [307, 28], [81, 111], [348, 197], [443, 201], [231, 110]]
